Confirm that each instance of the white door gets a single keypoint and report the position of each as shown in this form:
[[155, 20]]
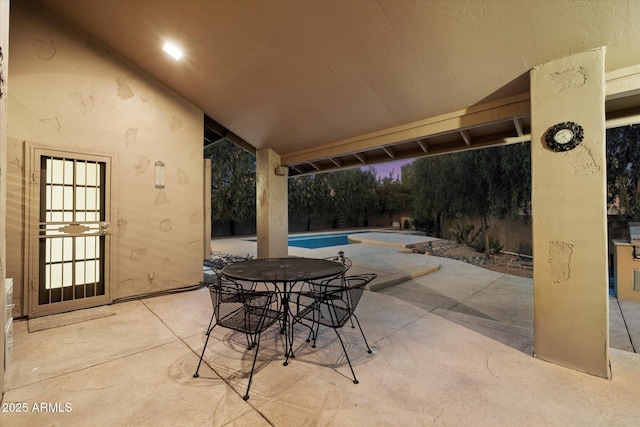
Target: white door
[[70, 245]]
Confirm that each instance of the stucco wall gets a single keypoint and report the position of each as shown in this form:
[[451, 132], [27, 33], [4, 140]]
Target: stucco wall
[[4, 61], [71, 93], [570, 268]]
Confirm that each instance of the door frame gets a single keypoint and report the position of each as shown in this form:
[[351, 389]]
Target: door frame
[[32, 223]]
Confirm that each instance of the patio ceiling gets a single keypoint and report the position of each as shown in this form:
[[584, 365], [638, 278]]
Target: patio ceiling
[[348, 83]]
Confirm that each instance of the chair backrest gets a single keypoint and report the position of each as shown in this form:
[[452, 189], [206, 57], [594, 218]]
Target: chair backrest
[[241, 309], [217, 262], [338, 302], [335, 280], [341, 259]]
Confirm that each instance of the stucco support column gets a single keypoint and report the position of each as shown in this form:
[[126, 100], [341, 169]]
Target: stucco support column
[[272, 209], [570, 279]]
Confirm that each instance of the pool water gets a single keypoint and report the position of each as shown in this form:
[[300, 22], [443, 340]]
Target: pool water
[[321, 241]]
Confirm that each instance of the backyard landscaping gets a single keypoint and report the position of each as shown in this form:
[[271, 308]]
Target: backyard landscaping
[[504, 263]]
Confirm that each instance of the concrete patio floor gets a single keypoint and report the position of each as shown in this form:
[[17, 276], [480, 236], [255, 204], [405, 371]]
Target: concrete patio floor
[[450, 348]]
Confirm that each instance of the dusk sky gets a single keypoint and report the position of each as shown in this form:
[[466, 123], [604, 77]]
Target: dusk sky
[[383, 169]]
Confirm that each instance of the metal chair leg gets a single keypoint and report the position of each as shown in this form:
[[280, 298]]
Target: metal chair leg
[[255, 357], [363, 337], [355, 380], [196, 375]]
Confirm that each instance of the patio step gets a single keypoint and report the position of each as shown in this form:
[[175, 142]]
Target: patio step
[[384, 281]]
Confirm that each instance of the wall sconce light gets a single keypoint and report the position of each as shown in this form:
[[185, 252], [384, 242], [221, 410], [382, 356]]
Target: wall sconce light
[[282, 171], [160, 174]]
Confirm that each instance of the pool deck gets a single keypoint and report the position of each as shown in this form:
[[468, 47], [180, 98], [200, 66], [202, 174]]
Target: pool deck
[[475, 297], [397, 240], [450, 348], [377, 253]]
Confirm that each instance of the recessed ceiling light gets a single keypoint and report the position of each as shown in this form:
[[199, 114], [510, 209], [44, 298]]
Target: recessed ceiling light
[[172, 50]]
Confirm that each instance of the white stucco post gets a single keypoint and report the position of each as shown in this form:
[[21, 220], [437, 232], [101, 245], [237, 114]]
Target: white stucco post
[[570, 276], [272, 221]]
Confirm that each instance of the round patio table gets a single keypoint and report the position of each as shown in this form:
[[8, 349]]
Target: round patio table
[[287, 271], [282, 269]]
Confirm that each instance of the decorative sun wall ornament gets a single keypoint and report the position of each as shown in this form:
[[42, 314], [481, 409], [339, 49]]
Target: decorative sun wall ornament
[[564, 136]]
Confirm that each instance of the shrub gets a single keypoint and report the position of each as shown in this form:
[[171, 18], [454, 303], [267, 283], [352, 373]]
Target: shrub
[[426, 225], [461, 232], [495, 245], [478, 242]]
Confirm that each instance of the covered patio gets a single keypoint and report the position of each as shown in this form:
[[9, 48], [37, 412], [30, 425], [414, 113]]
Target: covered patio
[[313, 87]]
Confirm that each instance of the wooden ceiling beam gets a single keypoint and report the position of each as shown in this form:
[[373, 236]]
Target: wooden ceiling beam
[[518, 124], [476, 116], [389, 152], [466, 137], [336, 162]]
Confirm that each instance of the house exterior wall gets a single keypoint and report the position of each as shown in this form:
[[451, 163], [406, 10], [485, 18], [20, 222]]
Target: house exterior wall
[[4, 62], [72, 94]]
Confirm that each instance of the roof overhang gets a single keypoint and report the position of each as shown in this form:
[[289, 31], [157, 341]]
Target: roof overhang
[[328, 85], [501, 122]]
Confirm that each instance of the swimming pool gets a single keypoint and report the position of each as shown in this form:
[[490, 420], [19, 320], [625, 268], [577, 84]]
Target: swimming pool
[[319, 241]]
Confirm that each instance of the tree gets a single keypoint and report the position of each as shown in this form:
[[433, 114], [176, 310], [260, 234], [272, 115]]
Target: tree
[[353, 195], [488, 182], [623, 171], [432, 192], [233, 184], [506, 173], [394, 195], [308, 197]]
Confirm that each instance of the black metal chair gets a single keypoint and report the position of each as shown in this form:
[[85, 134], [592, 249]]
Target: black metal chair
[[319, 285], [332, 305], [244, 310], [220, 280], [217, 262], [340, 258]]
